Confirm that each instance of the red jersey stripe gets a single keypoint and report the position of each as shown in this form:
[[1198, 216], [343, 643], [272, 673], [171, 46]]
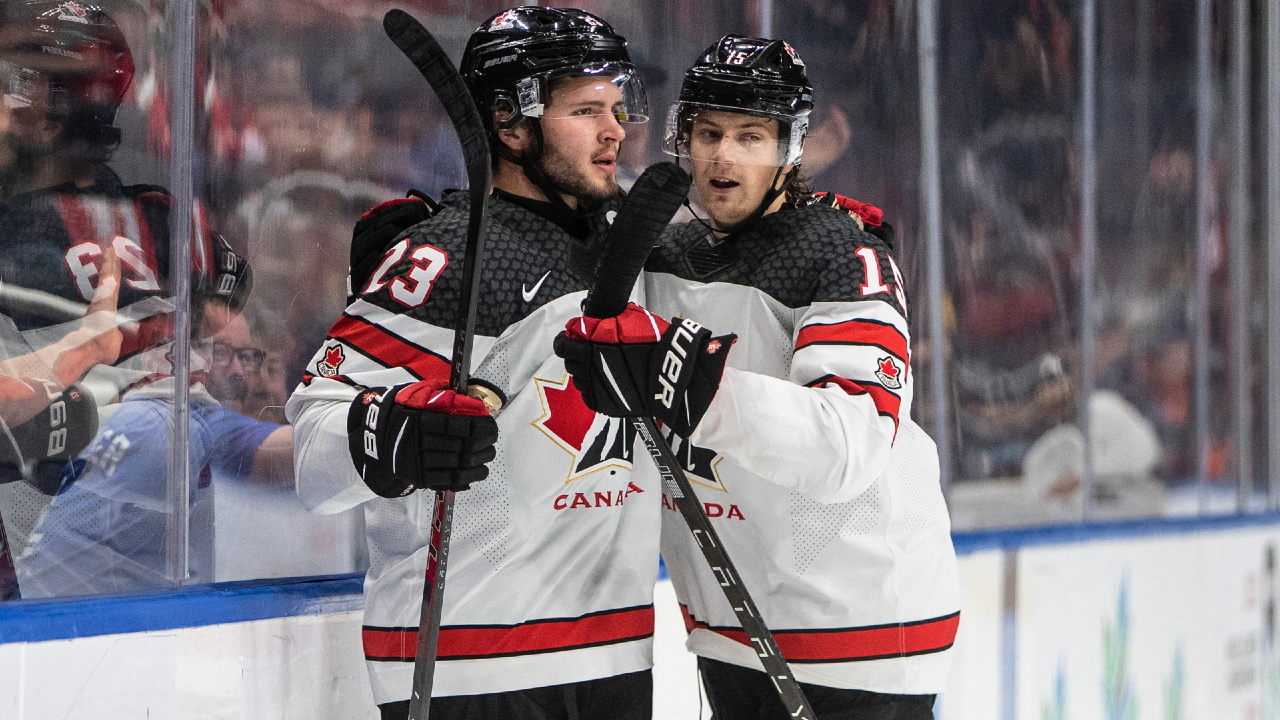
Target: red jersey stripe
[[308, 378], [872, 642], [886, 402], [467, 642], [855, 332], [387, 348]]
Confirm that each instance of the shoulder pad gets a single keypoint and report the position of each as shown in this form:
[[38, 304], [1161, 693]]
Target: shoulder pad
[[865, 213]]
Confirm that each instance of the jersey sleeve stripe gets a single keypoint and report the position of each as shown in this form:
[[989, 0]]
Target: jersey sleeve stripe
[[855, 332], [308, 378], [387, 348], [886, 402], [470, 642], [871, 642]]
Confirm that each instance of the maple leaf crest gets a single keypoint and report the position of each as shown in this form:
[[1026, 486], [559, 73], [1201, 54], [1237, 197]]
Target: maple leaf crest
[[72, 11], [596, 442], [889, 373], [333, 357], [888, 367], [713, 347]]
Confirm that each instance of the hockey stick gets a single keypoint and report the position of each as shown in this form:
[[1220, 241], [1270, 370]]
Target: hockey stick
[[629, 243], [431, 60]]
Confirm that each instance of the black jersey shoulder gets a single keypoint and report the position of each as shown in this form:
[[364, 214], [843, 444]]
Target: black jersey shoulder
[[798, 256], [528, 262]]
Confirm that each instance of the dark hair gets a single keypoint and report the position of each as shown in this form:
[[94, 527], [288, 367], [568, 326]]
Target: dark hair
[[798, 188]]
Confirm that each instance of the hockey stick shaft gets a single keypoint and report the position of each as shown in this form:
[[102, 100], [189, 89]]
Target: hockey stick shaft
[[653, 200], [677, 486], [433, 62]]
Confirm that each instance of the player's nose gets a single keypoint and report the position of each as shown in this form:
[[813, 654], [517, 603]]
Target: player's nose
[[612, 129]]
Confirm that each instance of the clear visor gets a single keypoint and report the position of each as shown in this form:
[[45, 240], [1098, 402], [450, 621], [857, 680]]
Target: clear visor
[[715, 133], [18, 86], [587, 94]]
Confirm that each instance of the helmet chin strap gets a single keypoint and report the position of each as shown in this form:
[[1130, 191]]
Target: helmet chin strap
[[528, 163], [769, 196]]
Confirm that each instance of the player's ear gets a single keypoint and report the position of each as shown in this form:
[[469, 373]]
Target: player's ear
[[519, 139]]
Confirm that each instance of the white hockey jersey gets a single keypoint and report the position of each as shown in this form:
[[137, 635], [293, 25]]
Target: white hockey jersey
[[823, 490], [553, 557]]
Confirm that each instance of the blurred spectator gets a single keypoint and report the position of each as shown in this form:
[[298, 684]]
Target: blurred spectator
[[107, 529]]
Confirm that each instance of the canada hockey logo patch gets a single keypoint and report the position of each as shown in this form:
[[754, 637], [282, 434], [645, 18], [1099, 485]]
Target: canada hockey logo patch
[[74, 12], [701, 465], [595, 441], [505, 21], [792, 52], [889, 374], [333, 357]]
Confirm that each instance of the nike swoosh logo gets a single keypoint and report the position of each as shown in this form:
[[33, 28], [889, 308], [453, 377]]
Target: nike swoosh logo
[[528, 294]]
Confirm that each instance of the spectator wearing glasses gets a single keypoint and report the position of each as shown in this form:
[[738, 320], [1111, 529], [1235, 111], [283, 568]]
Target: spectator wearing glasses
[[105, 530], [234, 358]]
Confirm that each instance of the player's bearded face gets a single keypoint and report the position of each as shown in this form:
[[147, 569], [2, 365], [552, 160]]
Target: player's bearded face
[[581, 136], [734, 163]]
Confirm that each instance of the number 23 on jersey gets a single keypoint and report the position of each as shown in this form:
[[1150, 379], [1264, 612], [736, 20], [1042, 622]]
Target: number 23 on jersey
[[412, 288]]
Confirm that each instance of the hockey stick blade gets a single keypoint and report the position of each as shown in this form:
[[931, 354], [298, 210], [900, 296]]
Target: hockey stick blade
[[433, 63], [652, 202], [654, 199]]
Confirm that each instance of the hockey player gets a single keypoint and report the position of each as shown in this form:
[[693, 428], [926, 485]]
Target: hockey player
[[823, 490], [548, 605]]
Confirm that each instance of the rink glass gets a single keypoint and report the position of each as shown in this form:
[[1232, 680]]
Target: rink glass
[[307, 116]]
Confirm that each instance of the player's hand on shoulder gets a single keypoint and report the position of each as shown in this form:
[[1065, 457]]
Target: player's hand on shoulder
[[379, 227], [637, 364], [870, 219], [421, 435]]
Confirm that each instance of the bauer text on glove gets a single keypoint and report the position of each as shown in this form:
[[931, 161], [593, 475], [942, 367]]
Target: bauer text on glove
[[637, 364]]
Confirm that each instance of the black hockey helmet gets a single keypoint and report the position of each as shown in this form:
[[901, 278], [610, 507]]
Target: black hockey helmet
[[755, 76], [513, 59], [78, 53]]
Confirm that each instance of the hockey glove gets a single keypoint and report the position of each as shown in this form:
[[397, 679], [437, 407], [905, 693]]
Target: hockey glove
[[637, 364], [420, 435], [377, 229], [43, 450], [230, 280]]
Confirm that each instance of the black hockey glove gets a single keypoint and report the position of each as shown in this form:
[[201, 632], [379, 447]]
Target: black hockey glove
[[420, 435], [378, 228], [638, 364], [230, 280], [43, 450]]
